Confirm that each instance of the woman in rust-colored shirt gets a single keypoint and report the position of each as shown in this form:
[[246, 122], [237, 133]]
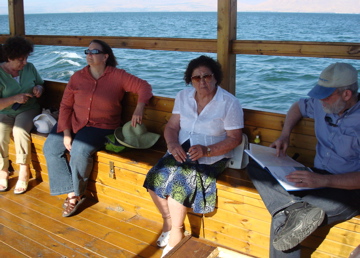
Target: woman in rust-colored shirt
[[90, 109]]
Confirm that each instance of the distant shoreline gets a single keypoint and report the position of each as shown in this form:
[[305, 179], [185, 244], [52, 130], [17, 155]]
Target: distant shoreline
[[270, 12]]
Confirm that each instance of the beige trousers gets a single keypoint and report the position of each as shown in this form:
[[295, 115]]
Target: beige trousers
[[19, 126]]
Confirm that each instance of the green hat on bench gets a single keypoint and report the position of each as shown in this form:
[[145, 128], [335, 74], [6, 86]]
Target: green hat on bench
[[135, 137]]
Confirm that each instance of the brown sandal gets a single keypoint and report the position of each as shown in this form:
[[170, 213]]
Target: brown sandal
[[71, 208], [66, 202]]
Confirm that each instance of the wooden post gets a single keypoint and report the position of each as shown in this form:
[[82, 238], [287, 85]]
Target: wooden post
[[16, 17], [227, 12]]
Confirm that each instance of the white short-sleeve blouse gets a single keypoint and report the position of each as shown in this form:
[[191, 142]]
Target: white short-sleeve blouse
[[222, 113]]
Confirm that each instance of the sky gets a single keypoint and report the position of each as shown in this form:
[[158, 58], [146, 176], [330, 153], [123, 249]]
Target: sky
[[66, 6]]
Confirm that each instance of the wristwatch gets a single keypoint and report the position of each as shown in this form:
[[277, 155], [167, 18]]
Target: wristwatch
[[208, 151]]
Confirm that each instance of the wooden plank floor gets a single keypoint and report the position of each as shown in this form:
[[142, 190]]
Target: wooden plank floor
[[31, 225]]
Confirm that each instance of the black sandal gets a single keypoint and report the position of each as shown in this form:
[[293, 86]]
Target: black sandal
[[71, 208]]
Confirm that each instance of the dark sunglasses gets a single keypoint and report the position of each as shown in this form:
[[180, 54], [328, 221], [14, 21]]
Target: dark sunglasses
[[329, 121], [93, 51], [198, 78]]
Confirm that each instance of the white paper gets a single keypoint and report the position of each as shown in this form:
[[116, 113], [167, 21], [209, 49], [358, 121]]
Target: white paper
[[279, 167]]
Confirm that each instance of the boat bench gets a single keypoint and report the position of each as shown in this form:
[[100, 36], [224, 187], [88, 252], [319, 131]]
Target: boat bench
[[240, 220]]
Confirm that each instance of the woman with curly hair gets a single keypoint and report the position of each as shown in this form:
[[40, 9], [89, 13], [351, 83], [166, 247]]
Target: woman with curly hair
[[20, 86]]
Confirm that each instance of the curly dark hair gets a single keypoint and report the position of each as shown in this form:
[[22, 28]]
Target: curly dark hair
[[16, 47], [111, 61], [208, 62]]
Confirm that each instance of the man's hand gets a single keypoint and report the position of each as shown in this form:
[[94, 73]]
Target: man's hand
[[281, 145], [303, 178]]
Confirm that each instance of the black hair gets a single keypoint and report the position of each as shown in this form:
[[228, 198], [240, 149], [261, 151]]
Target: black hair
[[208, 62], [16, 47], [111, 61]]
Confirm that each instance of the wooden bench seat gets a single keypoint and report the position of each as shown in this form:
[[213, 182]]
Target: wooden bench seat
[[240, 220]]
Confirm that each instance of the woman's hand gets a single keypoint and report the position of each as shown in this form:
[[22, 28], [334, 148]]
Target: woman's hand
[[22, 98], [177, 151], [197, 151], [138, 114], [67, 139], [136, 119], [38, 90]]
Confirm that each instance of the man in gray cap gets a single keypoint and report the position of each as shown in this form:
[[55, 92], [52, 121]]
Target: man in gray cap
[[335, 186]]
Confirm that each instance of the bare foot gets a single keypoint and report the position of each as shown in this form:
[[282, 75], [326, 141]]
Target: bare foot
[[24, 175], [3, 175]]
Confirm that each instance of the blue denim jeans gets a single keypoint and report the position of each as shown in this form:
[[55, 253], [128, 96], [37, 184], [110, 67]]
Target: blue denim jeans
[[66, 177], [338, 204]]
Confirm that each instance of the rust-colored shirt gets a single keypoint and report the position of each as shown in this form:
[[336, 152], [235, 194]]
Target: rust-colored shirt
[[97, 103]]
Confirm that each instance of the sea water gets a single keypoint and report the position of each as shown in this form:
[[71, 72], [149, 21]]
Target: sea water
[[262, 82]]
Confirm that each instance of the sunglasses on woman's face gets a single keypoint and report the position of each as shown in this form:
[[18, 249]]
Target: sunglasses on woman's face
[[198, 78], [93, 52]]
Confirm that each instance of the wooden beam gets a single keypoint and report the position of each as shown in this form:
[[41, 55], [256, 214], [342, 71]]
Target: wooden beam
[[169, 44], [16, 17], [298, 48], [348, 50], [227, 13]]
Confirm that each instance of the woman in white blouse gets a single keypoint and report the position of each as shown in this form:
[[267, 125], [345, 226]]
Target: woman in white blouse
[[205, 126]]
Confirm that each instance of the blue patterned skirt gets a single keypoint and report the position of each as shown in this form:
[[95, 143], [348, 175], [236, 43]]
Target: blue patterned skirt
[[191, 184]]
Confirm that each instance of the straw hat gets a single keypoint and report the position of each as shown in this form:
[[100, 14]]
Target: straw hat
[[135, 137], [44, 123]]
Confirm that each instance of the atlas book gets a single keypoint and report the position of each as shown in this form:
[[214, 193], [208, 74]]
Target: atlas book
[[279, 167]]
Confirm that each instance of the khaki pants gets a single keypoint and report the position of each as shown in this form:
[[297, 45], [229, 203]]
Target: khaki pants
[[19, 126]]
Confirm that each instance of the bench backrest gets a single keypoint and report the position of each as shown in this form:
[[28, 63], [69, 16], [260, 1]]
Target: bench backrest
[[267, 125]]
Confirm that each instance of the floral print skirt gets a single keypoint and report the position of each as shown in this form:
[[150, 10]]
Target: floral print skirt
[[189, 183]]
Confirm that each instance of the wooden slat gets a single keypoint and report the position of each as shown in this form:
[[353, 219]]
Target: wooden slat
[[8, 251], [227, 14], [190, 247], [297, 48], [32, 231], [16, 17], [103, 235], [150, 43], [24, 244], [348, 50]]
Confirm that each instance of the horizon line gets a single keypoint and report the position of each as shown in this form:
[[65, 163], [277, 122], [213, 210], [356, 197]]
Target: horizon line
[[250, 11]]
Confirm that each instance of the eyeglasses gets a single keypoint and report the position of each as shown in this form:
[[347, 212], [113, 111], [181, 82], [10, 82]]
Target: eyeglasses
[[198, 78], [329, 121], [93, 51]]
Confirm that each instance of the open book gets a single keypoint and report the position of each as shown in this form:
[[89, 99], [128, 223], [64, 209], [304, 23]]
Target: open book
[[279, 167]]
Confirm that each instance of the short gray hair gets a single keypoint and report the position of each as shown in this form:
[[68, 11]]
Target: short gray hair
[[352, 87]]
